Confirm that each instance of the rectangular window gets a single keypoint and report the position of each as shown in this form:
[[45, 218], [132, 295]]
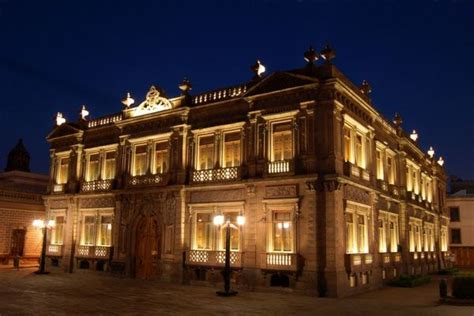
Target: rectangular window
[[282, 142], [391, 170], [347, 144], [203, 231], [57, 232], [379, 164], [93, 168], [409, 179], [394, 235], [231, 150], [105, 233], [140, 166], [350, 245], [282, 232], [362, 234], [62, 175], [455, 236], [444, 238], [418, 238], [382, 236], [411, 240], [454, 214], [234, 233], [109, 172], [358, 151], [88, 230], [161, 158], [206, 153]]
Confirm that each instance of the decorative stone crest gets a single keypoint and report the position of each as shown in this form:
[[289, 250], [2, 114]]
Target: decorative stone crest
[[154, 102]]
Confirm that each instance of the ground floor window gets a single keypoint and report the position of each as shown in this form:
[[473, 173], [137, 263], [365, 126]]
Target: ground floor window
[[357, 229]]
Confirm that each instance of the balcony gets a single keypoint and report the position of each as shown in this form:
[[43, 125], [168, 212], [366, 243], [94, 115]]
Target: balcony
[[358, 262], [280, 261], [148, 179], [382, 185], [280, 166], [390, 258], [54, 250], [97, 185], [356, 172], [93, 252], [216, 175], [213, 258]]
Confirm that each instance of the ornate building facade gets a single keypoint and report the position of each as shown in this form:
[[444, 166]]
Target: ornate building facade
[[20, 204], [336, 198]]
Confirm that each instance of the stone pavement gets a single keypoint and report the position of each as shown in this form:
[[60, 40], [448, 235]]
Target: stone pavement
[[24, 293]]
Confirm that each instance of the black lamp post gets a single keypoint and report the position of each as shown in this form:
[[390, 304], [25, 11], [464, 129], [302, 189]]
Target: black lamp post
[[44, 227], [218, 220]]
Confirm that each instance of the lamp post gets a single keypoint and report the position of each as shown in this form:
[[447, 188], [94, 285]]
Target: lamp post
[[218, 221], [39, 223]]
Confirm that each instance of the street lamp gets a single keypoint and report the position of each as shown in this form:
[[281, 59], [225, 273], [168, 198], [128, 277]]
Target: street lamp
[[39, 223], [219, 221]]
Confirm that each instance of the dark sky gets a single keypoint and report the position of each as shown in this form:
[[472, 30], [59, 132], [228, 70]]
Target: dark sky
[[57, 55]]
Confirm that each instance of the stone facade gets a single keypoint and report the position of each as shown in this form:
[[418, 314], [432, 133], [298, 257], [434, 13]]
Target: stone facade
[[303, 155]]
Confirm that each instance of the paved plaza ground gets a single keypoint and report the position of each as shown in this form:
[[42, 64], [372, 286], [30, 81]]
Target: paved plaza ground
[[24, 293]]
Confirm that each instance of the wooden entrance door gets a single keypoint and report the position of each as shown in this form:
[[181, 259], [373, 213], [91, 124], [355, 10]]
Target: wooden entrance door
[[18, 242], [147, 248]]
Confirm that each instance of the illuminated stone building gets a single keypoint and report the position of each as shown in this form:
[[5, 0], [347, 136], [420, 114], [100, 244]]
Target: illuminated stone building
[[336, 198], [20, 203]]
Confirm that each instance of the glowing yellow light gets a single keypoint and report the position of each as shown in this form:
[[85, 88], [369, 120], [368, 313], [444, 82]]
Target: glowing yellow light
[[128, 100], [38, 223], [240, 220], [218, 220], [414, 135]]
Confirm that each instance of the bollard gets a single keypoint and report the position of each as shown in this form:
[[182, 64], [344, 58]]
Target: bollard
[[443, 288]]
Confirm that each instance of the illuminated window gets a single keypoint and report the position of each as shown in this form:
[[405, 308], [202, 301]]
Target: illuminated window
[[347, 144], [234, 232], [359, 155], [391, 170], [109, 172], [379, 164], [105, 231], [206, 153], [415, 235], [350, 240], [444, 238], [62, 173], [382, 236], [231, 150], [161, 158], [88, 230], [203, 230], [93, 168], [362, 233], [356, 231], [282, 232], [282, 142], [428, 237], [57, 232], [140, 165], [394, 234]]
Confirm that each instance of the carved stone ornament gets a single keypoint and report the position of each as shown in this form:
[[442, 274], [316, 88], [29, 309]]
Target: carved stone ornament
[[55, 204], [98, 202], [280, 191], [356, 195], [154, 102], [216, 196]]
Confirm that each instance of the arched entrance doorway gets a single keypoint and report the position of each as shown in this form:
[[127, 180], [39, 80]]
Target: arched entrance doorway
[[147, 252]]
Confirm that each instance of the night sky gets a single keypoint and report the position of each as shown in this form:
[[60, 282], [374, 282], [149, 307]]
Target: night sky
[[57, 55]]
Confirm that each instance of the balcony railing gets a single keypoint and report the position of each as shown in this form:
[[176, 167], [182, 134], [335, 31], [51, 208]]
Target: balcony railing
[[151, 179], [356, 172], [280, 261], [93, 251], [280, 166], [55, 250], [213, 258], [97, 185], [390, 258], [216, 175]]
